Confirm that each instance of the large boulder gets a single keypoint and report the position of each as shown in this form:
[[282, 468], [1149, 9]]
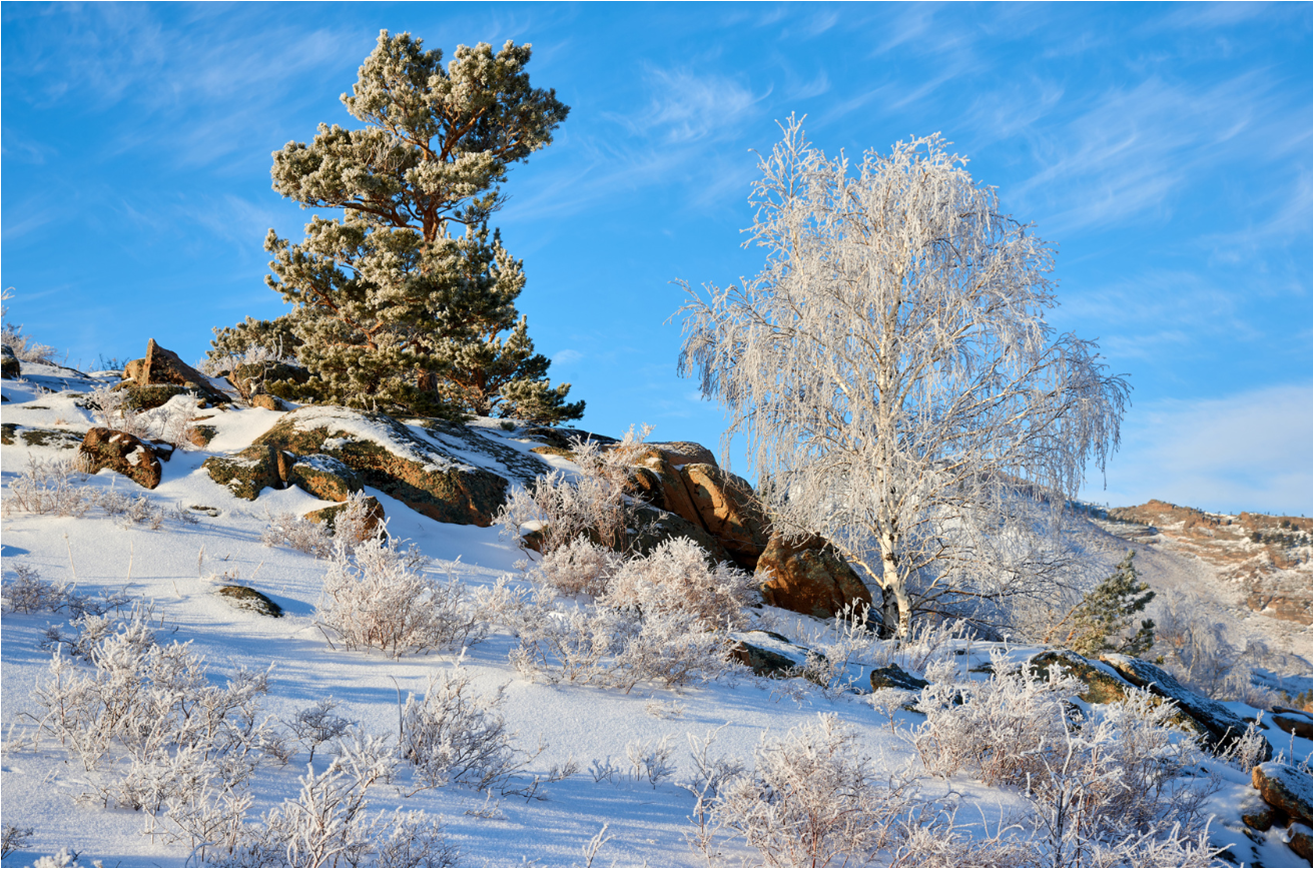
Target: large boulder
[[655, 527], [397, 459], [1287, 720], [1103, 684], [10, 367], [681, 453], [254, 469], [729, 510], [808, 576], [1285, 788], [325, 477], [655, 478], [1219, 725], [122, 453], [162, 367]]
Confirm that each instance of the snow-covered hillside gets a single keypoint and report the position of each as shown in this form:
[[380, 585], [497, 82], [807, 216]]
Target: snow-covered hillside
[[608, 777]]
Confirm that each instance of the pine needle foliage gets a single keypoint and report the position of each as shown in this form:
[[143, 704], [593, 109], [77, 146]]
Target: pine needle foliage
[[1102, 621], [406, 303]]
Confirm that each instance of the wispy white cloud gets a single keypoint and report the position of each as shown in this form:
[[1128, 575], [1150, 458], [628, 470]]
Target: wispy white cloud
[[566, 357], [1247, 451], [688, 107]]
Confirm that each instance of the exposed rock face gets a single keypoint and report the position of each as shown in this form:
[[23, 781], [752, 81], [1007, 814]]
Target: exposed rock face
[[151, 396], [10, 367], [663, 486], [768, 654], [729, 511], [1103, 684], [1220, 725], [1285, 788], [246, 598], [164, 367], [658, 526], [895, 676], [1300, 838], [254, 469], [391, 457], [1295, 723], [122, 453], [680, 453], [324, 477], [268, 402], [373, 514], [808, 576]]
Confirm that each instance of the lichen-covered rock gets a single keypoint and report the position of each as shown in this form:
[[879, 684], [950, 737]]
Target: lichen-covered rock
[[680, 453], [164, 367], [52, 438], [808, 576], [324, 477], [393, 458], [244, 597], [10, 367], [1285, 788], [1259, 815], [122, 453], [152, 395], [8, 432], [201, 435], [1103, 684], [1220, 727], [768, 654], [1295, 723], [268, 402], [508, 461], [374, 515], [1300, 838], [729, 510], [258, 467], [895, 676]]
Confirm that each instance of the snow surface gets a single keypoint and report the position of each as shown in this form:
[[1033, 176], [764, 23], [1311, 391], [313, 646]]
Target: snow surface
[[177, 569]]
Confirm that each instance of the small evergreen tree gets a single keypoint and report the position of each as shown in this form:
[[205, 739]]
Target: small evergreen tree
[[1102, 620], [394, 310]]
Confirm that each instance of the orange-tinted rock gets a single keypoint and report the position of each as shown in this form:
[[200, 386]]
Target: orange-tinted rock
[[122, 453], [1285, 788], [729, 510], [164, 367], [809, 577], [685, 453]]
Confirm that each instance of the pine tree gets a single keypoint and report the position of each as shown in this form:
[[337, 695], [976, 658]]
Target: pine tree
[[394, 309], [1102, 620]]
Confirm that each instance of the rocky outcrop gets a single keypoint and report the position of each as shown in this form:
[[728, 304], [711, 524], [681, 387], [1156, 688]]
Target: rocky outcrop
[[808, 576], [1219, 725], [896, 677], [1294, 722], [10, 367], [392, 457], [324, 477], [658, 526], [254, 469], [122, 453], [1103, 684], [1285, 788], [162, 367], [729, 511]]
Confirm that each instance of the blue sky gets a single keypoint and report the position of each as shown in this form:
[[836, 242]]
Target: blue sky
[[1164, 149]]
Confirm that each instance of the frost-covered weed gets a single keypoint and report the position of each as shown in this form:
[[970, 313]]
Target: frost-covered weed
[[650, 762], [27, 592], [814, 798], [676, 579], [317, 724], [579, 567], [457, 735], [49, 486], [14, 837], [300, 533], [112, 408], [354, 524], [145, 721], [376, 597], [594, 505]]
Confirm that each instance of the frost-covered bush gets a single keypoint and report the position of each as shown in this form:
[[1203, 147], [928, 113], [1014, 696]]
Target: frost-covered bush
[[1195, 641], [376, 597], [24, 347], [579, 567], [1001, 730], [49, 486], [27, 592], [354, 524], [675, 578], [814, 798], [593, 504], [14, 837], [317, 724], [299, 533], [144, 720], [455, 734]]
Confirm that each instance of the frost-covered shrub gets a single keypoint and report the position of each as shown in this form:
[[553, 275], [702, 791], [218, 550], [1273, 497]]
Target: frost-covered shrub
[[457, 735], [27, 592], [1196, 643], [813, 799], [1001, 730], [300, 533], [593, 505], [579, 567], [375, 597], [112, 408], [145, 719], [48, 486], [24, 347], [675, 578], [317, 724], [14, 837]]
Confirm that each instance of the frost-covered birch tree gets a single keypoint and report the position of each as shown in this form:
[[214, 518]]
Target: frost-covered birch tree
[[892, 370]]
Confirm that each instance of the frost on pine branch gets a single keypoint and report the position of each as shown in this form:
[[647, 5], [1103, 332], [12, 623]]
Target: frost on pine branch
[[894, 375]]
